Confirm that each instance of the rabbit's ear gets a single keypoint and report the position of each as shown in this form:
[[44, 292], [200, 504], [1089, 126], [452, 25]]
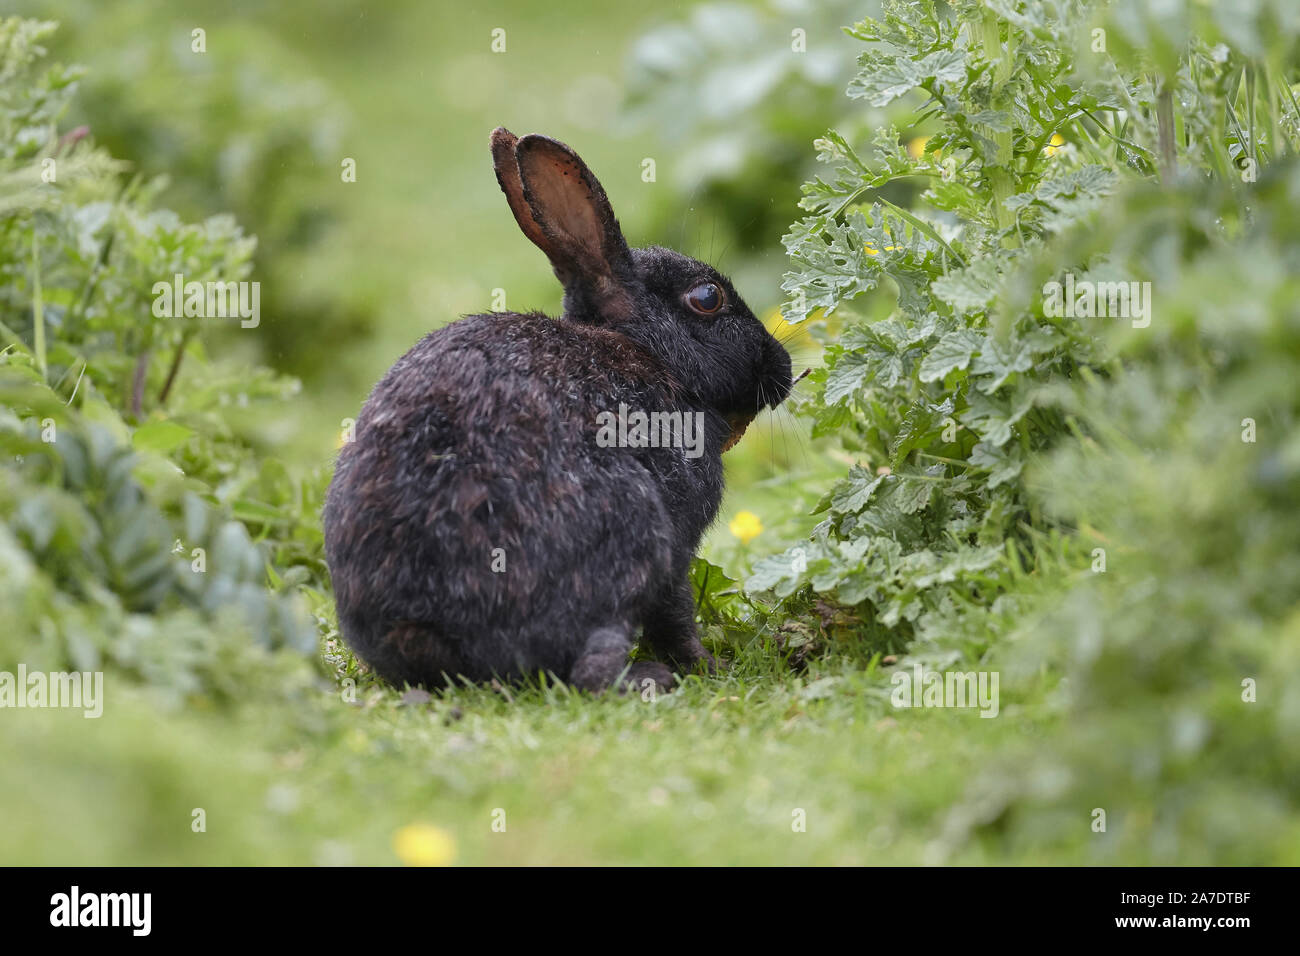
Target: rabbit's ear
[[562, 208], [507, 170]]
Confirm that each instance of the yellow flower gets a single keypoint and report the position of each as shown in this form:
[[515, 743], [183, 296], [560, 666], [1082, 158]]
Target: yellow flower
[[420, 844], [1054, 145], [746, 526], [873, 251], [916, 147]]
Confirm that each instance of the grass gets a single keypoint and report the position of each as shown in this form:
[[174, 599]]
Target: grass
[[713, 773]]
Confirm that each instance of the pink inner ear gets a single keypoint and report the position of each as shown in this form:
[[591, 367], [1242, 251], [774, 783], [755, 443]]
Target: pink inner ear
[[579, 233], [563, 204]]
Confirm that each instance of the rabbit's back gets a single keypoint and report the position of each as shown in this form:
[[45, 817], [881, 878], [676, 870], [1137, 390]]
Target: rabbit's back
[[476, 527]]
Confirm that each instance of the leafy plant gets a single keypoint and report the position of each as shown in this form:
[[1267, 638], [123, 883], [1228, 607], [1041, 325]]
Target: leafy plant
[[944, 399], [1056, 493], [138, 525], [257, 135]]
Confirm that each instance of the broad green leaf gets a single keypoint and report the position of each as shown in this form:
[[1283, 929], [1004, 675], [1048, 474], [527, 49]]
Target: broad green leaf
[[953, 351], [161, 436]]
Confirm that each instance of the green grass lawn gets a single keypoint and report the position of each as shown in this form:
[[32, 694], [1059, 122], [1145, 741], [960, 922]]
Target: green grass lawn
[[717, 772]]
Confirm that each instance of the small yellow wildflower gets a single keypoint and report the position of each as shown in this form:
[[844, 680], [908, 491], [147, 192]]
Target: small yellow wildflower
[[746, 526], [873, 251], [916, 147], [1054, 145], [420, 844]]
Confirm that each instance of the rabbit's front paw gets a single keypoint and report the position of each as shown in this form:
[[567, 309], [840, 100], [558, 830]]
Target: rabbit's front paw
[[690, 657], [647, 678]]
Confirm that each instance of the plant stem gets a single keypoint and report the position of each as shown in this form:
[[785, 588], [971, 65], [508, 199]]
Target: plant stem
[[1165, 126], [38, 308], [137, 384], [175, 368], [924, 226], [1000, 175]]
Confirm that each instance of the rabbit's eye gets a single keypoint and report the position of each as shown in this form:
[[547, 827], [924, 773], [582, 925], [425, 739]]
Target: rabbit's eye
[[706, 298]]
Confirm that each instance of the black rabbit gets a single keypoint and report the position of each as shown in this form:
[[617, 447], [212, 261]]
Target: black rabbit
[[488, 520]]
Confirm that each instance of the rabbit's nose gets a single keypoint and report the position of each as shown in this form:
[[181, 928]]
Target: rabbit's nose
[[775, 376]]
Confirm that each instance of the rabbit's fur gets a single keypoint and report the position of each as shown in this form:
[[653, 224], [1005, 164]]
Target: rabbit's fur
[[475, 526]]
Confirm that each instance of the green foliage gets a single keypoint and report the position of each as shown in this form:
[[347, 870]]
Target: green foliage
[[738, 89], [138, 528], [1186, 494], [254, 135], [943, 399], [1000, 442], [939, 399]]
